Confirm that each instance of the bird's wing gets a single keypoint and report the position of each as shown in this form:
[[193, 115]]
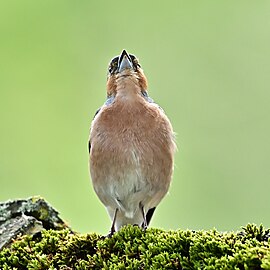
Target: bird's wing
[[89, 146], [89, 142], [149, 215], [150, 100], [108, 102]]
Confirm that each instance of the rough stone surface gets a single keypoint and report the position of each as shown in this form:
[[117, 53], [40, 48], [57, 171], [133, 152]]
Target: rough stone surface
[[26, 216]]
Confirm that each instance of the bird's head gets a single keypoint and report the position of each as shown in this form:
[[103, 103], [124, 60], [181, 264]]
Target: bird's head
[[122, 67]]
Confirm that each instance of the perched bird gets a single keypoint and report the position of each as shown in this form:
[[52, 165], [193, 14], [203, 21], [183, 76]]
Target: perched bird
[[131, 147]]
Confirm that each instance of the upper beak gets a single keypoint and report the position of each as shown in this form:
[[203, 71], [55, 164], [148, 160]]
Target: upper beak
[[124, 62]]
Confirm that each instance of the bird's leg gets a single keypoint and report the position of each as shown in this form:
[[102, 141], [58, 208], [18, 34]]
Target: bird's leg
[[113, 224], [144, 224]]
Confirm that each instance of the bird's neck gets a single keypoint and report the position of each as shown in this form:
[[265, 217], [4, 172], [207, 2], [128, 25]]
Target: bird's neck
[[128, 89]]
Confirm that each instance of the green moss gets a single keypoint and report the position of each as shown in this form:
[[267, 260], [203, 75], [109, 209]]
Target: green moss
[[132, 248]]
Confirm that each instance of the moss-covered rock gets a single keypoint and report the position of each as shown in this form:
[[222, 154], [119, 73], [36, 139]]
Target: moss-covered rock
[[36, 207], [27, 217], [133, 248]]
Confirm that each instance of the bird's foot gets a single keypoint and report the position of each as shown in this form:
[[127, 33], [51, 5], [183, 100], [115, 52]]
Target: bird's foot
[[111, 233], [144, 226]]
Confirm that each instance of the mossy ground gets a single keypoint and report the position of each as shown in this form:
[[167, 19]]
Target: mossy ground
[[132, 248]]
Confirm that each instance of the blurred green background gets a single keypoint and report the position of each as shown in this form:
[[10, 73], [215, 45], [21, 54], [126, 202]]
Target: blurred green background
[[208, 66]]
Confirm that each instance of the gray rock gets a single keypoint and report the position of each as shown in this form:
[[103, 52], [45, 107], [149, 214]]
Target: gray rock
[[26, 216]]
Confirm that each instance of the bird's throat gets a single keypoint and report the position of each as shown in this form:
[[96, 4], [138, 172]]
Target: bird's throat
[[128, 88]]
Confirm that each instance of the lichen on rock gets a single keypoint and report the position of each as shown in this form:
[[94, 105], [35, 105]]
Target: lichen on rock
[[27, 216]]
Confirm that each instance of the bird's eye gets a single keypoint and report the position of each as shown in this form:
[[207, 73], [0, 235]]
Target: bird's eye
[[138, 65], [110, 68], [113, 65], [134, 61]]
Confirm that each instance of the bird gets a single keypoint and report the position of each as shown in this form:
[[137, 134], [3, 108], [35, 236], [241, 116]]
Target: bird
[[131, 147]]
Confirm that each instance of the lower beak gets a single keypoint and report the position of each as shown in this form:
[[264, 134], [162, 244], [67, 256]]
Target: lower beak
[[124, 61]]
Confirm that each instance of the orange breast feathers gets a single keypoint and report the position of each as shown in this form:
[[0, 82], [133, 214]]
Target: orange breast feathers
[[132, 149]]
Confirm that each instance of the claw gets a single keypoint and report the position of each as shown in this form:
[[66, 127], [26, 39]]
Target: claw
[[113, 224], [144, 224]]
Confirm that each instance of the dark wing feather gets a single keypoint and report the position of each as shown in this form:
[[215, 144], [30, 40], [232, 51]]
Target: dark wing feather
[[89, 143], [89, 146], [150, 214]]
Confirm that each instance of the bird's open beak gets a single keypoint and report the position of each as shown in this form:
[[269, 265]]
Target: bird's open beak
[[124, 62]]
